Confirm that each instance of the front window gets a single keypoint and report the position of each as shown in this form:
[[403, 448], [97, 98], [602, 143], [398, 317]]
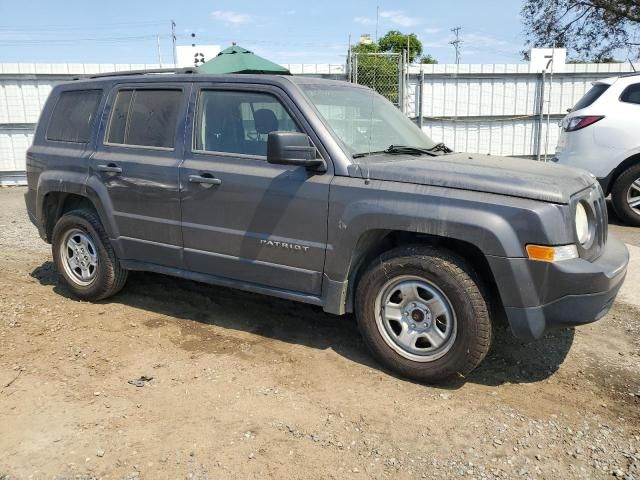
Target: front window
[[239, 122], [363, 120]]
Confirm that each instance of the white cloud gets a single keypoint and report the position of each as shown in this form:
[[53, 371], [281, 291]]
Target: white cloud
[[392, 17], [398, 17], [430, 30], [365, 20], [480, 40], [475, 40], [231, 18]]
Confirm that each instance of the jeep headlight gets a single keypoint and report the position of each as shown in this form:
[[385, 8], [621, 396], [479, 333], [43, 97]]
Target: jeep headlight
[[582, 223]]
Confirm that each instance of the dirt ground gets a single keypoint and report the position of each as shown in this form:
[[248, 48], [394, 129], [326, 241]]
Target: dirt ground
[[246, 386]]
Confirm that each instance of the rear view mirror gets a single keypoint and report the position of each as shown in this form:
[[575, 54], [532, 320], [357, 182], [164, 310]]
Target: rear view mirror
[[293, 148]]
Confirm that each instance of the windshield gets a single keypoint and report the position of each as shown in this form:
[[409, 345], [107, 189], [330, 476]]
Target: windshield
[[363, 120]]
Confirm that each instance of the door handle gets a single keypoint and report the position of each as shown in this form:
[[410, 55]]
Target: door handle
[[205, 178], [111, 168]]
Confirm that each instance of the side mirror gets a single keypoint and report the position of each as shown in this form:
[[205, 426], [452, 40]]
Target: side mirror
[[293, 148]]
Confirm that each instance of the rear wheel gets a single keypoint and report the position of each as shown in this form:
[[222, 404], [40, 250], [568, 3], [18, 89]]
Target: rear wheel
[[422, 313], [625, 196], [84, 257]]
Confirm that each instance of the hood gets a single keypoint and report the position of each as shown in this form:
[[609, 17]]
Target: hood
[[516, 177]]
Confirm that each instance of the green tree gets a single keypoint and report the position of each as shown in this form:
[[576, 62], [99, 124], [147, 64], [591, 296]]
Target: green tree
[[397, 42], [428, 59], [365, 48], [590, 30], [382, 72]]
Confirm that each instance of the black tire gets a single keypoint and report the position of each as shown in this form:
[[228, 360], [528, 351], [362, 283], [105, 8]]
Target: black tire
[[109, 276], [619, 193], [453, 276]]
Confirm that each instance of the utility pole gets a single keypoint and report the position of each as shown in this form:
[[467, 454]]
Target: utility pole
[[457, 42], [173, 43], [349, 59], [159, 52]]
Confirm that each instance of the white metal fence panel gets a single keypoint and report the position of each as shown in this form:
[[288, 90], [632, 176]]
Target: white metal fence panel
[[490, 108], [24, 88], [497, 108], [13, 145], [22, 100], [508, 138]]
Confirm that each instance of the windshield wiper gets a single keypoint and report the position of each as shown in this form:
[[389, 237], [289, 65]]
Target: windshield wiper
[[440, 147], [407, 150]]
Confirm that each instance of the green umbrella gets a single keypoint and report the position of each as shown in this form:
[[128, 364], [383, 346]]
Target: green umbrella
[[236, 59]]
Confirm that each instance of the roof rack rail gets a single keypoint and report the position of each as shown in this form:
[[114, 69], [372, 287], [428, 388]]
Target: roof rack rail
[[123, 73]]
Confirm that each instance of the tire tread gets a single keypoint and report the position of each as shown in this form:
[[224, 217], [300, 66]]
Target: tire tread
[[115, 276], [457, 267], [619, 195]]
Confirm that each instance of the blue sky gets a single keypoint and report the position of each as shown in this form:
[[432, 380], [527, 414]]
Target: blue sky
[[119, 31]]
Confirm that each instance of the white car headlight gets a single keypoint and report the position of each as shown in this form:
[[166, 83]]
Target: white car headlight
[[583, 229]]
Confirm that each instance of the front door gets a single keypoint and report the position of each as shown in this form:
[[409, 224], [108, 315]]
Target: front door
[[137, 165], [243, 218]]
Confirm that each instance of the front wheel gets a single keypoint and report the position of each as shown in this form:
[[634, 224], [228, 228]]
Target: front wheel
[[422, 313], [625, 196]]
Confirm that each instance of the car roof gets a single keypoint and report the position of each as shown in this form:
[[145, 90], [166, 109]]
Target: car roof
[[626, 78], [190, 75]]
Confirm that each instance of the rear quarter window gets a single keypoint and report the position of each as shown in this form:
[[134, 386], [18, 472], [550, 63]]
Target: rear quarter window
[[591, 96], [631, 94], [73, 116]]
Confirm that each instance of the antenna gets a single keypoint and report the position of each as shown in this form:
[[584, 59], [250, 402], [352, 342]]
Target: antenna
[[457, 42], [632, 66], [173, 42], [377, 17]]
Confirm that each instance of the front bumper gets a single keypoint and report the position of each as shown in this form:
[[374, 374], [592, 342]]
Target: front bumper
[[539, 296]]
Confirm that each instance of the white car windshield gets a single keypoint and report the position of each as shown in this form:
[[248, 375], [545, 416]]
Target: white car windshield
[[364, 121]]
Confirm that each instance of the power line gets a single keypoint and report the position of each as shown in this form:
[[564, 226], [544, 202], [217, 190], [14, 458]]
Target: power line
[[65, 41], [63, 28], [275, 43], [457, 42]]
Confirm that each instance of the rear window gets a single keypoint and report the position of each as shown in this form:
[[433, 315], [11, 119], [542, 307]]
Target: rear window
[[631, 94], [74, 116], [146, 118], [591, 96]]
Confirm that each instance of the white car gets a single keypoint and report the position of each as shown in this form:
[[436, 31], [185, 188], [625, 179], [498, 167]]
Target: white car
[[602, 134]]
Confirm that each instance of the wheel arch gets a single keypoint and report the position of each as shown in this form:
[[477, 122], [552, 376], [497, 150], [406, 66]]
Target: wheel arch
[[56, 203], [619, 170], [374, 243]]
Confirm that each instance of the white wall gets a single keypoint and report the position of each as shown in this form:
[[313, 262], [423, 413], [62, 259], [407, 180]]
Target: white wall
[[488, 108], [494, 108], [24, 88]]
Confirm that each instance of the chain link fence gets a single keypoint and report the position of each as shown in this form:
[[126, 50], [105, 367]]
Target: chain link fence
[[383, 72]]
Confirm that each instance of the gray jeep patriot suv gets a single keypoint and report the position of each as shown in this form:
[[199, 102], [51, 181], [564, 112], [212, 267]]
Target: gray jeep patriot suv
[[322, 192]]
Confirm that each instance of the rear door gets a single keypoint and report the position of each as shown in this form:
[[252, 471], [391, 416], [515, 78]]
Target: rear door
[[244, 218], [136, 168]]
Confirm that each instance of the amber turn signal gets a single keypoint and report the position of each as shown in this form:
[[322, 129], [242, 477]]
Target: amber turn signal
[[544, 253]]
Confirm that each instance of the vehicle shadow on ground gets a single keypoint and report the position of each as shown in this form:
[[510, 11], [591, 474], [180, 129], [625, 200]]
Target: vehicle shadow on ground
[[509, 361]]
